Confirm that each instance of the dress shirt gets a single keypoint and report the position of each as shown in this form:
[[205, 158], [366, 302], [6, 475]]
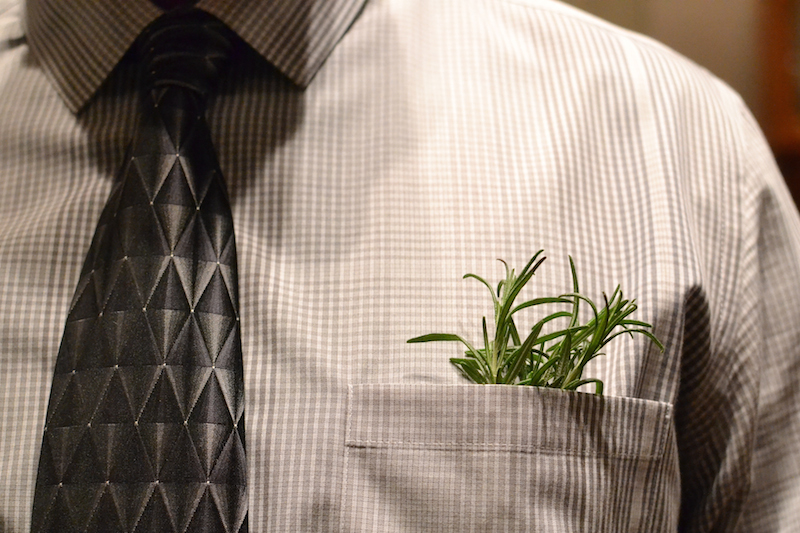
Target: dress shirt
[[377, 151]]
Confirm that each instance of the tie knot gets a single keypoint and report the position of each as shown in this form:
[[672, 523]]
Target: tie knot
[[185, 48]]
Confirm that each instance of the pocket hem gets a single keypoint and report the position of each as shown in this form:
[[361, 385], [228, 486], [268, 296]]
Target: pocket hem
[[505, 419]]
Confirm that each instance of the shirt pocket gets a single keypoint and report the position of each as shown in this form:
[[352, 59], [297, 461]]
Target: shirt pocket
[[422, 457]]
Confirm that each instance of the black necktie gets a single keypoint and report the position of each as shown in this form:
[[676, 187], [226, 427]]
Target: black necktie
[[145, 426]]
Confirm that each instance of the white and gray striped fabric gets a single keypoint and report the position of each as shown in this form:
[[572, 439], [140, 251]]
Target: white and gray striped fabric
[[388, 148]]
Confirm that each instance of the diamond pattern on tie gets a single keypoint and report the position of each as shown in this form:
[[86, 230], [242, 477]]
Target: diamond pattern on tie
[[145, 426]]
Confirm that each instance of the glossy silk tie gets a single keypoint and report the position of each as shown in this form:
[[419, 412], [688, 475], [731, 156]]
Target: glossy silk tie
[[145, 426]]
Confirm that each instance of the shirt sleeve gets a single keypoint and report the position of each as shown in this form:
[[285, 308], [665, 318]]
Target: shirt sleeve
[[738, 409], [770, 322]]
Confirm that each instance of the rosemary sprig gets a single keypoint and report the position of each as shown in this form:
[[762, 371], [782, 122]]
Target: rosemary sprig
[[555, 359]]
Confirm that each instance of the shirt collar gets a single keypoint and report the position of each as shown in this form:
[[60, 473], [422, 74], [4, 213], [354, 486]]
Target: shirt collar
[[80, 41]]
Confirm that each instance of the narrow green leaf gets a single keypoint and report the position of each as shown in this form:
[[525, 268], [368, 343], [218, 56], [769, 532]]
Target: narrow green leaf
[[598, 389], [566, 349], [575, 290], [642, 331], [491, 291], [520, 355], [512, 328], [491, 354], [435, 337], [532, 259], [584, 298], [537, 376], [513, 291], [446, 337], [600, 329], [636, 323], [576, 332], [470, 371], [540, 301]]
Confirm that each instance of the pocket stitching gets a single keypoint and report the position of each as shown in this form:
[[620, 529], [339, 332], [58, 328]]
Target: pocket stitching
[[657, 451]]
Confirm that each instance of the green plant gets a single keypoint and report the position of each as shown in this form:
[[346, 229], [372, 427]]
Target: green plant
[[554, 359]]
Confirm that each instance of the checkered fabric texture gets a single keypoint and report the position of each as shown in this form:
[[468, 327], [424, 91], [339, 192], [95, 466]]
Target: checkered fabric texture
[[145, 430], [376, 151]]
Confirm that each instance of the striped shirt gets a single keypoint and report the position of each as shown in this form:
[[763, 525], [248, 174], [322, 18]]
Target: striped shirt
[[377, 151]]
